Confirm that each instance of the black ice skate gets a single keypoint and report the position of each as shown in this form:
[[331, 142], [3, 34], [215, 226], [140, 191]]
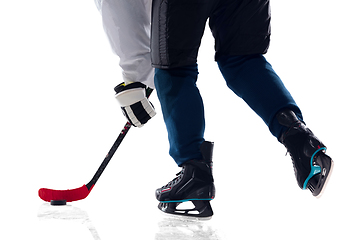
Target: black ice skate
[[193, 183], [312, 166]]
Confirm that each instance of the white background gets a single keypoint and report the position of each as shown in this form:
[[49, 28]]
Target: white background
[[59, 118]]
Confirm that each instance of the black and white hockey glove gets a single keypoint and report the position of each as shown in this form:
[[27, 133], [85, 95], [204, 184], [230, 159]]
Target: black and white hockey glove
[[134, 103]]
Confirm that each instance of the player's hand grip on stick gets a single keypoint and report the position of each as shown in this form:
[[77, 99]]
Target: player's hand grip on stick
[[134, 103]]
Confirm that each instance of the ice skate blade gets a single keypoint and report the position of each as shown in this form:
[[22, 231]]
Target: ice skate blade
[[326, 181], [183, 218], [202, 209], [317, 184]]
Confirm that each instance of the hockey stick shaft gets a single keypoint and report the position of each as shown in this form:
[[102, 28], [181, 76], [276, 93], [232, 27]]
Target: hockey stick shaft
[[110, 154], [82, 192], [112, 150]]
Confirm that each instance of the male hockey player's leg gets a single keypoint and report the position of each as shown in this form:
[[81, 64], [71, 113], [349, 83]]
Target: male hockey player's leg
[[253, 79], [183, 114], [246, 71], [177, 29]]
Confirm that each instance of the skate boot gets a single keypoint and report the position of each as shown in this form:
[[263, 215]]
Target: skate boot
[[312, 166], [193, 183]]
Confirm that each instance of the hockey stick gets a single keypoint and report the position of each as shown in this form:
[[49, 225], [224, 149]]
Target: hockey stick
[[76, 194]]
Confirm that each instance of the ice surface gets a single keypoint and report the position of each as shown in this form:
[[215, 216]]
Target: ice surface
[[168, 227], [68, 213]]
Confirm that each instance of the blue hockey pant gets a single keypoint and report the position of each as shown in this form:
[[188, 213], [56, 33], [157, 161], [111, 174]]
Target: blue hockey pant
[[250, 77]]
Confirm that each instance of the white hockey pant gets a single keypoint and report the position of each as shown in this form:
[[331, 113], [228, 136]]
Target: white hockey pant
[[127, 25]]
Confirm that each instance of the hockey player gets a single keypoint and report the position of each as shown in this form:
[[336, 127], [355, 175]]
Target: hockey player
[[241, 29]]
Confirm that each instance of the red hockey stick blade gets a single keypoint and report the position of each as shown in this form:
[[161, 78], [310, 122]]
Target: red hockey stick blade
[[69, 195]]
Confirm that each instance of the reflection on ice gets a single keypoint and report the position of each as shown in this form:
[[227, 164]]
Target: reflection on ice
[[68, 213], [168, 227], [182, 228]]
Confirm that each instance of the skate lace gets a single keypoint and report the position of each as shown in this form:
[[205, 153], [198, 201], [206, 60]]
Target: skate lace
[[175, 180]]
